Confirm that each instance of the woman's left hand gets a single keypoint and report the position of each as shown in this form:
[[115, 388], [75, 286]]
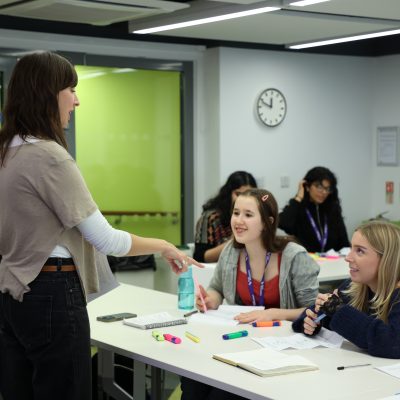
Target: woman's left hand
[[259, 315], [321, 299]]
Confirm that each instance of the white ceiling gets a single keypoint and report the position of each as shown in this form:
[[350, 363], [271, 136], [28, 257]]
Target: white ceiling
[[335, 18], [290, 25]]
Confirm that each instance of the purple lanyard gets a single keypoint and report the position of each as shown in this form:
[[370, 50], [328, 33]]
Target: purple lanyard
[[322, 240], [250, 281]]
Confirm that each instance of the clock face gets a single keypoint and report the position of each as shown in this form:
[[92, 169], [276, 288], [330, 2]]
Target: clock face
[[271, 107]]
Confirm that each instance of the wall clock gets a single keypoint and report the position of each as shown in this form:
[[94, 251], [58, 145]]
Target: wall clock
[[271, 107]]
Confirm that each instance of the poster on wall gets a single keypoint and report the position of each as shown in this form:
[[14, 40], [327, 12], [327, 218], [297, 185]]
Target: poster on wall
[[387, 146]]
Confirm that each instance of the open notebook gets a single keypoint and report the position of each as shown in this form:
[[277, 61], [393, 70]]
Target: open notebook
[[266, 362]]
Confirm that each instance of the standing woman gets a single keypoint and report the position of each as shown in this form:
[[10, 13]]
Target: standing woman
[[366, 308], [213, 228], [314, 215], [51, 236]]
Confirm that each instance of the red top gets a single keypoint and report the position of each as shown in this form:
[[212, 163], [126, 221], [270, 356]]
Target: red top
[[271, 288]]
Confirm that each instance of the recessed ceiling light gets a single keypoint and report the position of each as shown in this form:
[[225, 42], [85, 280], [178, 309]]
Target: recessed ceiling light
[[344, 39], [207, 20], [302, 3]]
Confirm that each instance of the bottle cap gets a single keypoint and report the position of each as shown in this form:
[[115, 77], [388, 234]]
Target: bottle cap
[[187, 274]]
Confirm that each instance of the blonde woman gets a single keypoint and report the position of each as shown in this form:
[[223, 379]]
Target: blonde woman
[[366, 309]]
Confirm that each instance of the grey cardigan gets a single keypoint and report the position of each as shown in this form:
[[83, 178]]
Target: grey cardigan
[[298, 276]]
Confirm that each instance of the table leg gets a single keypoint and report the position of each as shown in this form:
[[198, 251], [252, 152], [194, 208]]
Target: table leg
[[139, 380], [108, 386], [156, 392]]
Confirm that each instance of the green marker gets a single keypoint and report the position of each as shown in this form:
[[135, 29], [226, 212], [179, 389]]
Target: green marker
[[235, 335], [158, 336]]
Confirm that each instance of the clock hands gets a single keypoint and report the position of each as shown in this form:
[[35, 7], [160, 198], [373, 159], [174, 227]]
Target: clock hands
[[267, 104]]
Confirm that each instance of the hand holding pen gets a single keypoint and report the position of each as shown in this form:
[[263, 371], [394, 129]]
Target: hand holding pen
[[212, 299], [202, 298], [309, 324], [312, 322]]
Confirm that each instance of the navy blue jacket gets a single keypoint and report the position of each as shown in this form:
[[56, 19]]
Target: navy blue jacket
[[364, 330]]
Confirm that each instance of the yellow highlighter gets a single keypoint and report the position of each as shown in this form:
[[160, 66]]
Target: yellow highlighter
[[192, 337], [158, 336]]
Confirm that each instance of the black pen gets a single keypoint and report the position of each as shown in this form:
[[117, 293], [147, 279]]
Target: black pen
[[190, 313], [352, 366]]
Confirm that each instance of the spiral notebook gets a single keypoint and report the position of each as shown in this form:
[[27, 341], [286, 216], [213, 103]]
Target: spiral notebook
[[151, 321]]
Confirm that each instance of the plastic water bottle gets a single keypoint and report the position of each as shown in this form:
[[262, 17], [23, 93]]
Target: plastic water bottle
[[186, 290]]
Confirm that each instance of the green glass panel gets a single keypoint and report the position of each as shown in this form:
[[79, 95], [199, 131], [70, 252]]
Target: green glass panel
[[1, 95], [128, 145]]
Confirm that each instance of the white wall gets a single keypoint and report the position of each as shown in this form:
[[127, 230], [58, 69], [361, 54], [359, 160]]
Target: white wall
[[385, 98], [334, 105], [328, 122]]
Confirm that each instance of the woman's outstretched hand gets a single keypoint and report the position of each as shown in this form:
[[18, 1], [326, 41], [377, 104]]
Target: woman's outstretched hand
[[178, 260]]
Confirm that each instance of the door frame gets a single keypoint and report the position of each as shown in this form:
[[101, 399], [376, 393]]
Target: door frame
[[186, 120]]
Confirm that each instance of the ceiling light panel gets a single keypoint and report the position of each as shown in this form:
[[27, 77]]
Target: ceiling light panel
[[208, 20], [304, 3], [239, 1], [102, 12], [344, 39], [277, 28], [383, 9]]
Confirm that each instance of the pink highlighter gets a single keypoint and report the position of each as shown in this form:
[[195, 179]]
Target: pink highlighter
[[172, 339]]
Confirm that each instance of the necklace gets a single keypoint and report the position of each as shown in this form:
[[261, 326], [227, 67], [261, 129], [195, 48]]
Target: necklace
[[250, 280]]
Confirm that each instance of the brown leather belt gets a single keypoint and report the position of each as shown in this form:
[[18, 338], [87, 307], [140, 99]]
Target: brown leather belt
[[59, 264], [61, 268]]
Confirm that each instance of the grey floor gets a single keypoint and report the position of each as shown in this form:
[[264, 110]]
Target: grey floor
[[162, 279]]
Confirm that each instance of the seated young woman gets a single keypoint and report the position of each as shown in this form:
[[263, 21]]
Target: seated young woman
[[257, 267], [366, 308], [213, 229], [314, 215]]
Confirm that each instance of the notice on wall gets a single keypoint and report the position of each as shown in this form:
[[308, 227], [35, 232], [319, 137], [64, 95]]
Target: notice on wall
[[387, 146]]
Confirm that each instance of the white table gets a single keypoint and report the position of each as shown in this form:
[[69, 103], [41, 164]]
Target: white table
[[333, 269], [194, 360]]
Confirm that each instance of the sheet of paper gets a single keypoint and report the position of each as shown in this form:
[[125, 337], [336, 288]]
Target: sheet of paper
[[224, 315], [330, 339], [393, 369], [235, 310], [208, 318], [296, 341], [299, 341]]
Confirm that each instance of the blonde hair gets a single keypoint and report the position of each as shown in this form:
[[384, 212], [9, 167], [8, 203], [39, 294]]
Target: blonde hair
[[384, 238]]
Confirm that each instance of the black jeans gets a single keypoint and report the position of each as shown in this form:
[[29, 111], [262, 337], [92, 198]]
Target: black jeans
[[45, 341]]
